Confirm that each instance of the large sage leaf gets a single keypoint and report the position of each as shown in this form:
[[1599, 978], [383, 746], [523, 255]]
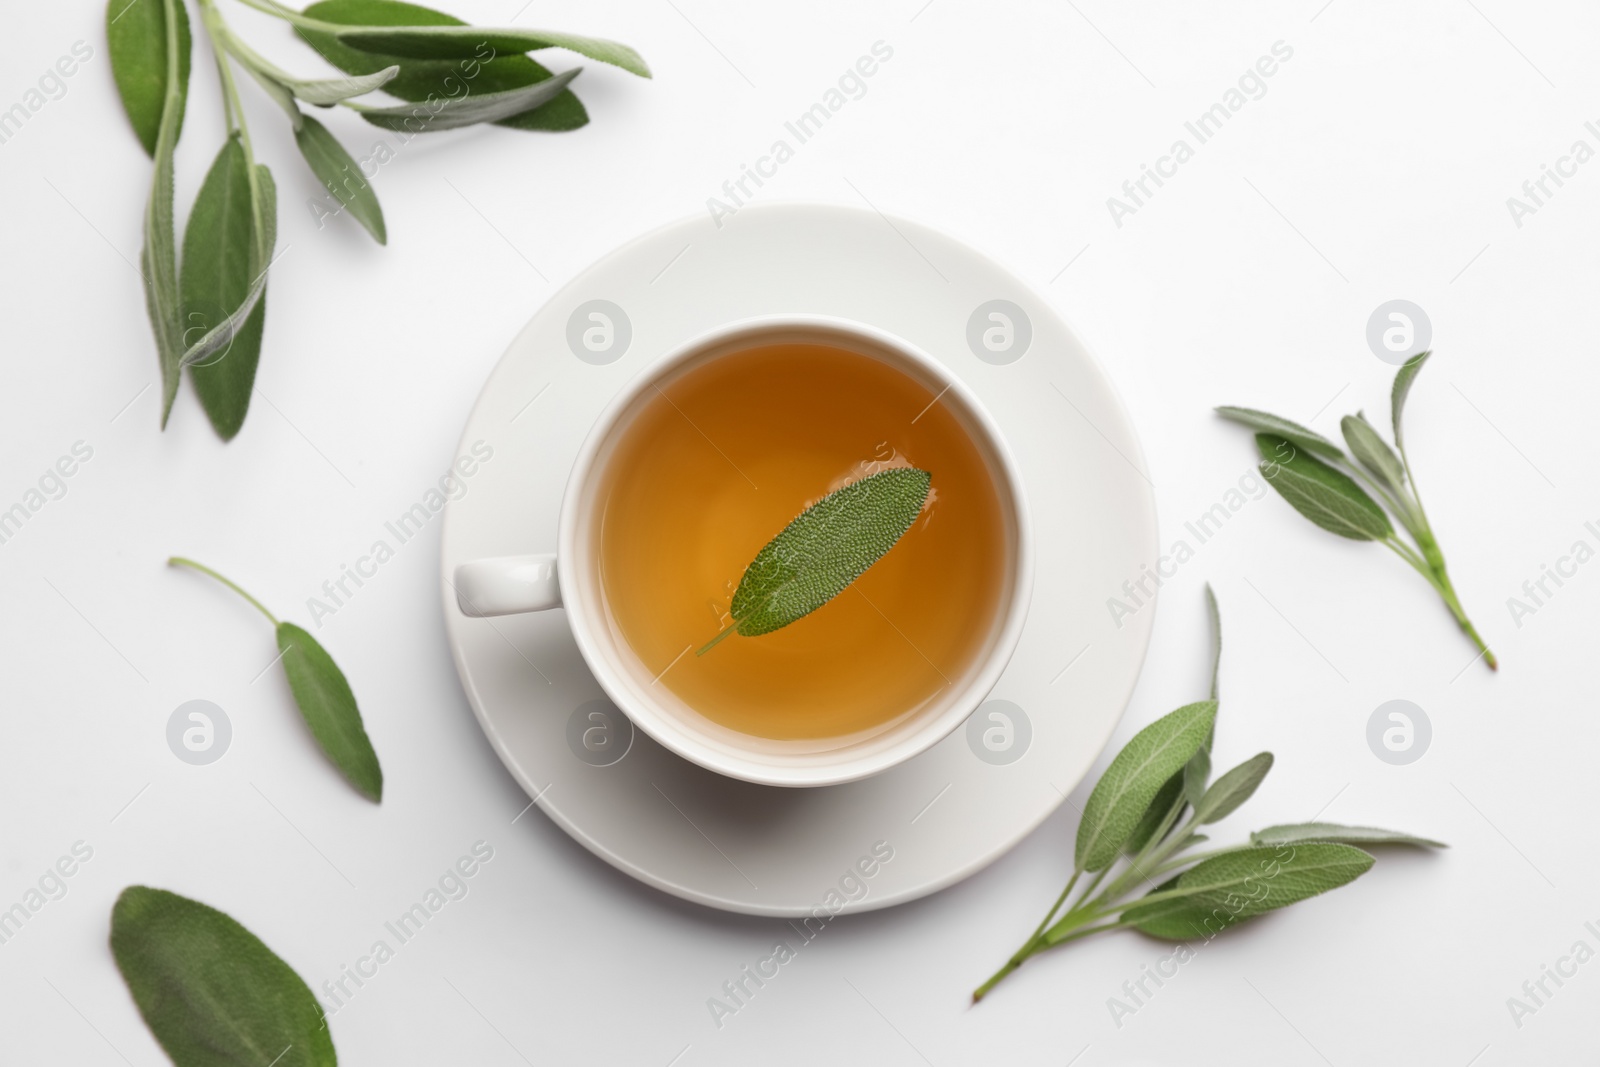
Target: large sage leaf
[[1373, 453], [341, 176], [1327, 497], [1133, 779], [1402, 389], [136, 39], [221, 264], [467, 110], [1232, 789], [330, 710], [1304, 832], [1218, 892], [1309, 440], [467, 42], [212, 994], [420, 79]]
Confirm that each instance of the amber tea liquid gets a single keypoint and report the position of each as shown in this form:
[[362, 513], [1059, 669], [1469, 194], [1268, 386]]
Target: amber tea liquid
[[718, 460]]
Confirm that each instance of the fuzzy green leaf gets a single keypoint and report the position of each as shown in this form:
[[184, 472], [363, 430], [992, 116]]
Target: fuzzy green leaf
[[419, 79], [136, 38], [1306, 832], [1327, 497], [1227, 889], [1373, 453], [468, 110], [1141, 770], [1402, 389], [467, 42], [1170, 793], [1232, 789], [221, 265], [212, 994], [341, 176], [325, 92], [330, 710], [1308, 440]]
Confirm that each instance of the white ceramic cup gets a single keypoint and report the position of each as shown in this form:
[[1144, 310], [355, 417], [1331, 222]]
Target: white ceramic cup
[[569, 578]]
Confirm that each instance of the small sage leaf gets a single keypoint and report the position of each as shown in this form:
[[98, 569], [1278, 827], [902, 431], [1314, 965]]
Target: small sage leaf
[[136, 38], [325, 92], [1227, 889], [341, 175], [1373, 453], [1232, 789], [1170, 793], [329, 708], [1327, 497], [1309, 440], [210, 991], [420, 79], [221, 253], [1196, 773], [828, 546], [1307, 832], [468, 110], [467, 42], [1135, 776], [1402, 388]]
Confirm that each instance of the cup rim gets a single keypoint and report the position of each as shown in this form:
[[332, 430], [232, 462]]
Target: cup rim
[[813, 769]]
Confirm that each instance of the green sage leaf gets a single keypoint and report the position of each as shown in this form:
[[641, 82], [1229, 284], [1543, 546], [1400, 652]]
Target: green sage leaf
[[467, 110], [828, 546], [1307, 832], [1402, 388], [136, 38], [1170, 793], [210, 991], [1227, 889], [1197, 772], [1373, 453], [325, 92], [1327, 497], [467, 42], [1232, 789], [1309, 440], [330, 710], [1137, 773], [341, 175], [221, 264], [420, 79]]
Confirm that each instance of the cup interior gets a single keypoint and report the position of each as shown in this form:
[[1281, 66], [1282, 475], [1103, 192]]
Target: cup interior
[[659, 711]]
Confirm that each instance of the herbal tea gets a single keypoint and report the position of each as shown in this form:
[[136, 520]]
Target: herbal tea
[[719, 461]]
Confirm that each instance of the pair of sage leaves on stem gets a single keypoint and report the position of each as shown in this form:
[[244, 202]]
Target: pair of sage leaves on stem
[[208, 315], [1135, 819], [1316, 477]]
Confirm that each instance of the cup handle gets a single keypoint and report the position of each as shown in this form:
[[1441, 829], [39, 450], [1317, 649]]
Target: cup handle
[[507, 585]]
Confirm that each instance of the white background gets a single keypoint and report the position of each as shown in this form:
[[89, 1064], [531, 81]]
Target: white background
[[1377, 165]]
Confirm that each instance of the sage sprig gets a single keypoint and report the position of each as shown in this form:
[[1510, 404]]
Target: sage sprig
[[1320, 482], [828, 546], [211, 992], [209, 316], [1133, 834], [322, 694]]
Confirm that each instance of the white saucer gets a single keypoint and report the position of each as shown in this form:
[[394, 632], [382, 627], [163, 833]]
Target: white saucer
[[945, 814]]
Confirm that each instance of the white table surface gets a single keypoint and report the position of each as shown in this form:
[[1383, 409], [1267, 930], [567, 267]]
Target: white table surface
[[1377, 165]]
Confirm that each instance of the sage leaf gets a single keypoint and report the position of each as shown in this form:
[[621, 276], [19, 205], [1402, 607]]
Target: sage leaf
[[136, 39], [1170, 793], [158, 258], [824, 549], [1327, 497], [467, 42], [1227, 889], [325, 92], [1373, 453], [467, 110], [1197, 772], [1133, 779], [211, 992], [1402, 389], [1309, 440], [1232, 789], [330, 710], [420, 79], [221, 252], [341, 175], [1306, 832]]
